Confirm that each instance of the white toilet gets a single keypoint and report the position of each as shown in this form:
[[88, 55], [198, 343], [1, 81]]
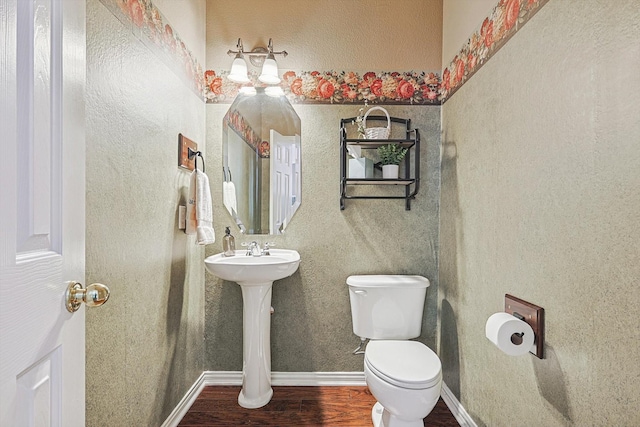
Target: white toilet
[[404, 376]]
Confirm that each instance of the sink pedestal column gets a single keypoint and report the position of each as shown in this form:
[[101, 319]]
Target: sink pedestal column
[[256, 345]]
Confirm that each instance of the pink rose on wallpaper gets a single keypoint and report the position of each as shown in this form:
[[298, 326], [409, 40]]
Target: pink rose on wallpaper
[[428, 93], [471, 61], [431, 94], [368, 79], [216, 86], [405, 89], [168, 37], [376, 87], [136, 12], [325, 88], [348, 92], [209, 76], [487, 32], [369, 76], [296, 87], [264, 149], [512, 10], [446, 76], [183, 51], [288, 76], [459, 69]]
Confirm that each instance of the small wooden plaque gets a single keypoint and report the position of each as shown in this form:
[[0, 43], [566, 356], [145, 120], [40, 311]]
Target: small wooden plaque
[[184, 144]]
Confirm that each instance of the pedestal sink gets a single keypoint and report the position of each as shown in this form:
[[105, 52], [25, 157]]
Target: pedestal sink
[[255, 275]]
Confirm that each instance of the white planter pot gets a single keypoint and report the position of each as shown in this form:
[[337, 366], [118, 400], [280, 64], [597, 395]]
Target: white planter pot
[[390, 171]]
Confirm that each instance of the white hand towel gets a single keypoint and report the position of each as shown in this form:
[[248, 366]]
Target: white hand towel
[[229, 195], [200, 209]]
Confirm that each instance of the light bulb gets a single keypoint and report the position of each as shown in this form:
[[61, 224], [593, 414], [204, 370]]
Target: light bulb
[[238, 72], [270, 71], [248, 90], [274, 91]]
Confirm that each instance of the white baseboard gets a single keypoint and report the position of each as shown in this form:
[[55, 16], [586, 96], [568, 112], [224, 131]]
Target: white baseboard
[[318, 378], [211, 378], [183, 406], [290, 378], [456, 408], [222, 377]]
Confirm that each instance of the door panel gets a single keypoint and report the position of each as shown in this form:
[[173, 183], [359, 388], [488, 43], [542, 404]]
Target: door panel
[[285, 194], [42, 74], [38, 124]]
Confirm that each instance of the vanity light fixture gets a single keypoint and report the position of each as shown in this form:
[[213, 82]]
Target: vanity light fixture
[[259, 57]]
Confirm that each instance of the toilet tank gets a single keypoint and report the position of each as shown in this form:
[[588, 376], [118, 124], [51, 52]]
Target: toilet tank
[[387, 306]]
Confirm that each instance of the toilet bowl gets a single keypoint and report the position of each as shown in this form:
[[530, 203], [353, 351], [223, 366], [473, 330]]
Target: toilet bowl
[[405, 377]]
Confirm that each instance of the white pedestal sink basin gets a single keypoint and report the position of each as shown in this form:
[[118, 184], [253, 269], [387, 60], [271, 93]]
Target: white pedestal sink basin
[[255, 275]]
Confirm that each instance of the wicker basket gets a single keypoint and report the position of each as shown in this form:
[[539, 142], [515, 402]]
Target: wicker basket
[[376, 132]]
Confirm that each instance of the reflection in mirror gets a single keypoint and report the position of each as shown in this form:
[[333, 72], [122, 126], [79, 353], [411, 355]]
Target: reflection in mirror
[[261, 162]]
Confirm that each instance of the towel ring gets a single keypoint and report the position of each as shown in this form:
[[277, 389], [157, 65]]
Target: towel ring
[[226, 171], [197, 154]]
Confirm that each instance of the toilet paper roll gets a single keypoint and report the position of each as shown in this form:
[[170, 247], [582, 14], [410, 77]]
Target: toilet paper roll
[[500, 330]]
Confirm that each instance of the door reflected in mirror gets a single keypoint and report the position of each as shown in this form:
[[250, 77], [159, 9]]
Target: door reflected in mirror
[[261, 162]]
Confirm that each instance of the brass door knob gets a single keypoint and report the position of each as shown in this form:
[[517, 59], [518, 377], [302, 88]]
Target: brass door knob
[[94, 295]]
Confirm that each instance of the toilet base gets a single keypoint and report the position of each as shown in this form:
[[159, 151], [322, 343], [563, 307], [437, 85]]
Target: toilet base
[[382, 418]]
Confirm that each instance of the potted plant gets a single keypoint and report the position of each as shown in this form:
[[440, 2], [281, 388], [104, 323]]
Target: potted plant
[[390, 156]]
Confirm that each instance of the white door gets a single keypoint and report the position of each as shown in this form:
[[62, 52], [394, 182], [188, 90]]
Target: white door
[[42, 77], [285, 189]]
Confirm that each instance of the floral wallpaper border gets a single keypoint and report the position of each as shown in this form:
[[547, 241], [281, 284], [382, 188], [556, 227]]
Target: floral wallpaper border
[[151, 27], [506, 18], [331, 87], [236, 121], [338, 87]]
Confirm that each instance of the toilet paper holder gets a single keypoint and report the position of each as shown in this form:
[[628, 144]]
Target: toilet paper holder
[[516, 337], [531, 314]]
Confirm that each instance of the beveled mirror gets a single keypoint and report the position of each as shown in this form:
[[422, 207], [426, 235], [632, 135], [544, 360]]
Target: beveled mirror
[[261, 161]]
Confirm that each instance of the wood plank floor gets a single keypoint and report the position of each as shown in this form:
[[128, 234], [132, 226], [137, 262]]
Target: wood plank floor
[[296, 406]]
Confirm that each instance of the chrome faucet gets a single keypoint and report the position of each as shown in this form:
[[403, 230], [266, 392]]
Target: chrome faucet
[[253, 249]]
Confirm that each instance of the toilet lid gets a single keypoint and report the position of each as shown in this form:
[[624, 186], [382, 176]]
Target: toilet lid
[[407, 364]]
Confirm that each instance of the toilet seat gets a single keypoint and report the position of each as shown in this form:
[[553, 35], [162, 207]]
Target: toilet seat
[[406, 364]]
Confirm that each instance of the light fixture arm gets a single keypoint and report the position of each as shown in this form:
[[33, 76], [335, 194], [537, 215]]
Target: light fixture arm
[[259, 52]]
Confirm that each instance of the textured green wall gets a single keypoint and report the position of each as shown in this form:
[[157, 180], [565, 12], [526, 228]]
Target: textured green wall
[[311, 328], [540, 199], [145, 346]]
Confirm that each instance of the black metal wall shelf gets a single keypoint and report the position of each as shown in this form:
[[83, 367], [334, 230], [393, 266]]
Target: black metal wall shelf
[[411, 141]]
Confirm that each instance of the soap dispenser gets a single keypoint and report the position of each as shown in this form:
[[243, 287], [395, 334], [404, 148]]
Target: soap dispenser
[[228, 243]]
